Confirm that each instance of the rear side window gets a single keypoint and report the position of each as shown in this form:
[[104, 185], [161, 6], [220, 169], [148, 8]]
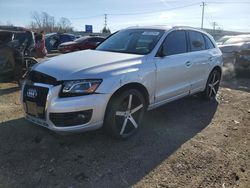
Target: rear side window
[[100, 39], [95, 40], [209, 44], [175, 43], [66, 38], [197, 41]]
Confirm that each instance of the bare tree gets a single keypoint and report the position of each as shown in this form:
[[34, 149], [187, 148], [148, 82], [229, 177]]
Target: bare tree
[[64, 25], [45, 22], [8, 23]]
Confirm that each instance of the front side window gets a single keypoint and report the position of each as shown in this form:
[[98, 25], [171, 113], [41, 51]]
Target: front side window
[[197, 42], [82, 39], [100, 39], [93, 39], [134, 41], [175, 43]]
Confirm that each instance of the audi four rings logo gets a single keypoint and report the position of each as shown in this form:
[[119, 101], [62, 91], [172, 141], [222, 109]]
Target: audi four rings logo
[[32, 93]]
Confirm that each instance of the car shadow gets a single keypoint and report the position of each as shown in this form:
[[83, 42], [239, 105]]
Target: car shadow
[[8, 90], [237, 84], [31, 155]]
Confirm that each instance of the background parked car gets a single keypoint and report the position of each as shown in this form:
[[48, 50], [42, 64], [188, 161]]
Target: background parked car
[[15, 46], [242, 61], [223, 39], [19, 35], [234, 45], [82, 43], [53, 40], [236, 50]]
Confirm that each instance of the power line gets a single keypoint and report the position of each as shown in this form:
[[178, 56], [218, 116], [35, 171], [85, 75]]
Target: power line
[[88, 17], [228, 2], [161, 10], [150, 12], [136, 13]]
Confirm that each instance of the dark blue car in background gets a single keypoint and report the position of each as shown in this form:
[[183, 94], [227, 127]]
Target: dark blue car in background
[[53, 40]]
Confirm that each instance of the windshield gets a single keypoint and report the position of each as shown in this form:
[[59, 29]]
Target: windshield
[[237, 40], [134, 41], [48, 35]]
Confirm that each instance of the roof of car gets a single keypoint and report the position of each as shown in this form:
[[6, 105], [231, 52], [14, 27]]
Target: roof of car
[[243, 35], [13, 28], [164, 27], [167, 27], [11, 31]]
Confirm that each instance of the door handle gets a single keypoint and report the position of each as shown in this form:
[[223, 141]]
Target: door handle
[[188, 63]]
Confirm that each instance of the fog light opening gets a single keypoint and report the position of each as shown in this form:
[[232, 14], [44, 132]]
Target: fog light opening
[[81, 116]]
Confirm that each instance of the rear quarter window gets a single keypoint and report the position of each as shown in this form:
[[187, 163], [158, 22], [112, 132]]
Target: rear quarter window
[[197, 42], [209, 43]]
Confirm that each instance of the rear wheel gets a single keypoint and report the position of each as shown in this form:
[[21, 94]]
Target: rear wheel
[[124, 114], [212, 85]]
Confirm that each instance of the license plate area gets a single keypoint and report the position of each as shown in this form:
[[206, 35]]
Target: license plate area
[[34, 98], [33, 109]]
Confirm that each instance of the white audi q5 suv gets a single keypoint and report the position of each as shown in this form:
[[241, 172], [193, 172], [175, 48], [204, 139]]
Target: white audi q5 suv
[[134, 70]]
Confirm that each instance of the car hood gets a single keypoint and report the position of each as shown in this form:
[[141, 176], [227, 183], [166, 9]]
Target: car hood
[[229, 48], [89, 64], [68, 43]]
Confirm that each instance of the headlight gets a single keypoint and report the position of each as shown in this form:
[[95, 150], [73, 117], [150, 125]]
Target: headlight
[[79, 87]]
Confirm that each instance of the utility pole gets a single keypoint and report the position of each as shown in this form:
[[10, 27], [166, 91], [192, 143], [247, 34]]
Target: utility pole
[[105, 20], [214, 24], [202, 17]]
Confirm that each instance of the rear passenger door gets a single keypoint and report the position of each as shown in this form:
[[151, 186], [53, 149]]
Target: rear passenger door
[[199, 59]]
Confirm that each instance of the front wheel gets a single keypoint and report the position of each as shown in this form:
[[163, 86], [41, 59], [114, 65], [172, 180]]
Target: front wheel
[[124, 113], [212, 85]]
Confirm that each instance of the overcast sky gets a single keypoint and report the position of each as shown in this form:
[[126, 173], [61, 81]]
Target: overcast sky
[[233, 15]]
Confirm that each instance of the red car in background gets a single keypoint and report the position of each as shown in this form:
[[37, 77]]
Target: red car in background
[[83, 43]]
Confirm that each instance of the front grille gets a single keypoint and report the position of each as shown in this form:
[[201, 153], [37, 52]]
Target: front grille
[[38, 77], [34, 98], [71, 118]]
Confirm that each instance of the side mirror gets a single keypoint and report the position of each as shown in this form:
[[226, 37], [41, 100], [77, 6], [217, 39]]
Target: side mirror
[[161, 53]]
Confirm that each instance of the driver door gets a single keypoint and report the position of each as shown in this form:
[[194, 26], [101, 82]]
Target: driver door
[[173, 66]]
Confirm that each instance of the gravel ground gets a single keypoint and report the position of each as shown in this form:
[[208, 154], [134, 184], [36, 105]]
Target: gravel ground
[[187, 143]]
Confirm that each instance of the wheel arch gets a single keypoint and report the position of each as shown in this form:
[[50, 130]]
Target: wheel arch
[[133, 85], [214, 68], [217, 68]]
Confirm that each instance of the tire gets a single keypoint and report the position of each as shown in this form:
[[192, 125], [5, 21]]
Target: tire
[[212, 85], [18, 75], [124, 114]]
